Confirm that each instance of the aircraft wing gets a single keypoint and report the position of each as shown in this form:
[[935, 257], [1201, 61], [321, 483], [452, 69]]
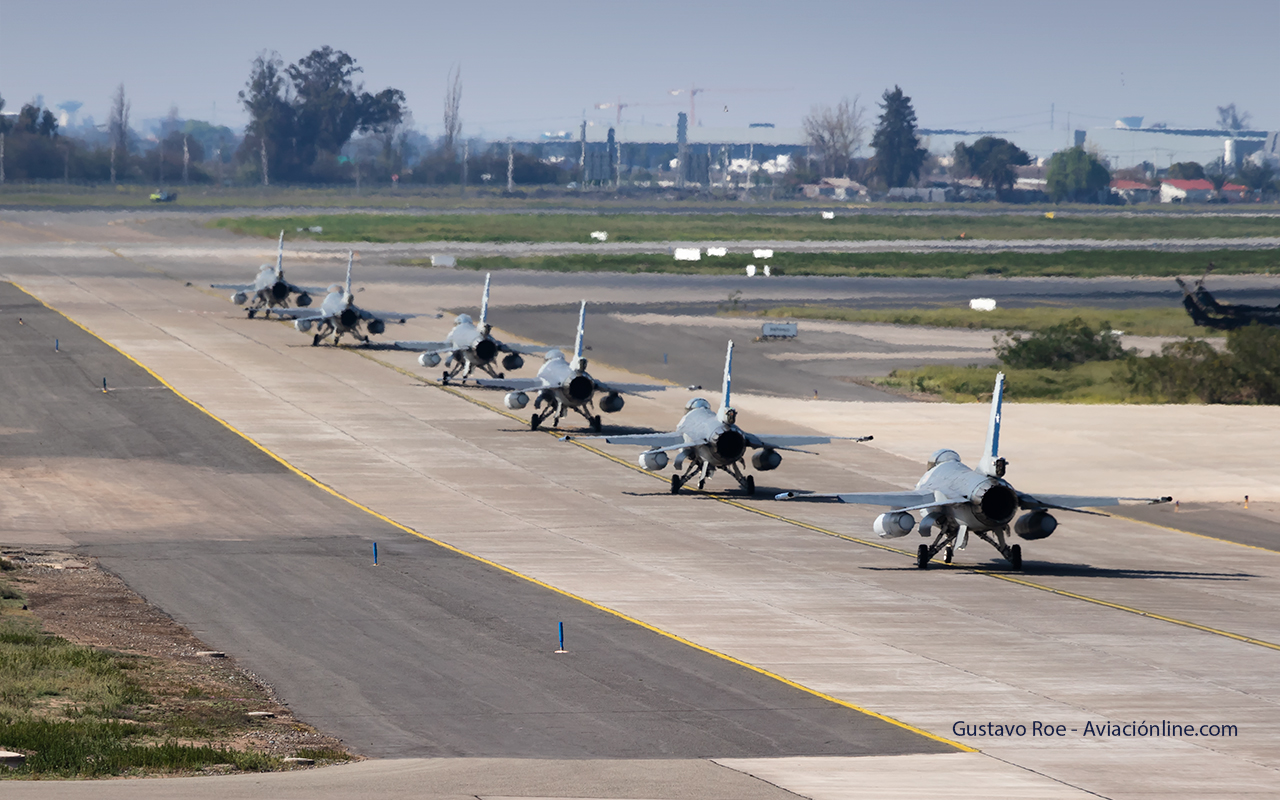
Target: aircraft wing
[[386, 316], [425, 347], [629, 388], [900, 501], [307, 289], [651, 440], [529, 349], [513, 384], [239, 287], [298, 313], [789, 442], [1075, 502]]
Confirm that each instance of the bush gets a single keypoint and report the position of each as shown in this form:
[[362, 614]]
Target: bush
[[1248, 373], [1060, 346]]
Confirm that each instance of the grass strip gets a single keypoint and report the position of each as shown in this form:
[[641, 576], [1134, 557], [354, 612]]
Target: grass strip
[[1072, 264], [551, 227], [1172, 321]]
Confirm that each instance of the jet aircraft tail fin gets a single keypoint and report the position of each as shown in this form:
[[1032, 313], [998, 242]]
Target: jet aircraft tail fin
[[991, 463], [726, 386], [351, 255], [582, 326], [280, 257], [484, 303]]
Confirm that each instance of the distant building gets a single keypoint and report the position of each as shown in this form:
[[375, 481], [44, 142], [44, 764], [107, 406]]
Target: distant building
[[833, 189], [1198, 191], [1133, 191]]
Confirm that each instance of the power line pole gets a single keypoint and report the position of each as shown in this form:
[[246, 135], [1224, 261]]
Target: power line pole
[[186, 160]]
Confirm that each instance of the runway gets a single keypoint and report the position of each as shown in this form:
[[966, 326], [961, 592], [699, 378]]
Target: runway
[[1111, 620]]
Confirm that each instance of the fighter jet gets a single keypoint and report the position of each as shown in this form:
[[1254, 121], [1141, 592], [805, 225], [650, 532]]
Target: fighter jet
[[469, 346], [959, 500], [562, 385], [269, 289], [711, 440], [339, 314]]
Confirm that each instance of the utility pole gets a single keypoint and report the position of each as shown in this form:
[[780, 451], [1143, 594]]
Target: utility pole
[[186, 160], [511, 167], [582, 159], [113, 160], [265, 180]]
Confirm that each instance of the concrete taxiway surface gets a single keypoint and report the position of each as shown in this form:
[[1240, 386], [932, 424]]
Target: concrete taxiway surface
[[1112, 620], [430, 653]]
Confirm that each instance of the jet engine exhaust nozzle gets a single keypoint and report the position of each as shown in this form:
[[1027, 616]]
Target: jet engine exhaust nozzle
[[894, 524], [486, 350], [729, 445], [995, 503], [579, 388]]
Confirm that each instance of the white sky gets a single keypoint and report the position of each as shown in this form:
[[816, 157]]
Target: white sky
[[529, 67]]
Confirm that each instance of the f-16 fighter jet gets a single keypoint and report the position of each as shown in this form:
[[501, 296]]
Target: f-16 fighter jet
[[469, 346], [959, 500], [269, 290], [710, 440], [564, 385], [339, 314]]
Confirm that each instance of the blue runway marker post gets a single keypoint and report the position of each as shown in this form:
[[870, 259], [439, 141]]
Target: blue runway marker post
[[55, 345], [375, 554], [664, 358], [562, 650], [104, 385]]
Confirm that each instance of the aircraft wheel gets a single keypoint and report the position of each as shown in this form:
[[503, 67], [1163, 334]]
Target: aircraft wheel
[[534, 422], [315, 340], [922, 556], [1015, 556], [595, 423], [444, 377], [251, 312], [948, 554], [702, 482], [675, 484], [750, 488], [501, 375]]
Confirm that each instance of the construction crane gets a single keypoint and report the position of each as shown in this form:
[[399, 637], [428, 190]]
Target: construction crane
[[693, 91], [618, 105]]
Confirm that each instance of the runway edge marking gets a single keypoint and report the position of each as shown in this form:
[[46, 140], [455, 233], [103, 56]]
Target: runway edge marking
[[875, 545], [451, 548]]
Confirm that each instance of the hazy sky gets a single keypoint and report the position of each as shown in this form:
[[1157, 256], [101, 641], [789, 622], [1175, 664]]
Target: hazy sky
[[529, 67]]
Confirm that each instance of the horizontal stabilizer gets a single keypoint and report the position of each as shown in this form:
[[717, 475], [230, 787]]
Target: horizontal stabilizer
[[630, 388]]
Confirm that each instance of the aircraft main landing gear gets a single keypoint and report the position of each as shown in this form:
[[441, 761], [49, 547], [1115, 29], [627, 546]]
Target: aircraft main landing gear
[[1015, 556], [252, 312], [315, 340], [948, 554], [595, 423], [750, 488], [535, 421], [922, 556], [676, 483]]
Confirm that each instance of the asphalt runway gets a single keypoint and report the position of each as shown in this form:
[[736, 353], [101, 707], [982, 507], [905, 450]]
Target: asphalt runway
[[1111, 619], [428, 654]]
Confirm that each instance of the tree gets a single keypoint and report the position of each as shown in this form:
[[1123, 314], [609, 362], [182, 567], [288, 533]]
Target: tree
[[4, 123], [1076, 176], [1060, 346], [992, 160], [898, 151], [452, 103], [835, 136], [1186, 171], [1231, 120], [1256, 177], [310, 110]]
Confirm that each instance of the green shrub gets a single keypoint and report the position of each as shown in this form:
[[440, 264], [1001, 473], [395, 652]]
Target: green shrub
[[1060, 346]]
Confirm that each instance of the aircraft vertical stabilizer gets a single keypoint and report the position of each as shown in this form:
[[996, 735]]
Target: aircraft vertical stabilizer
[[582, 325], [351, 255], [280, 257], [484, 304], [726, 386], [991, 450]]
